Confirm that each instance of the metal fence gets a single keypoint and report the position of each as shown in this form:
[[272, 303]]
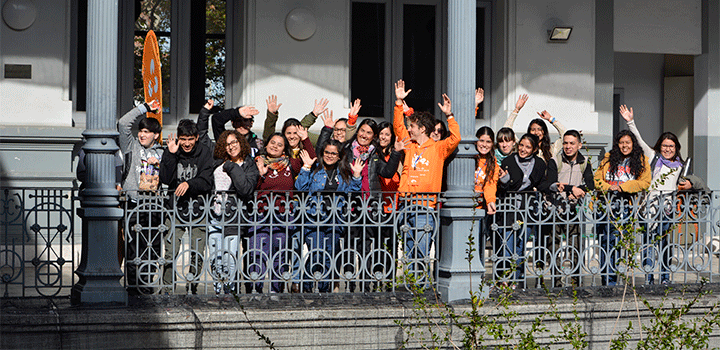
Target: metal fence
[[277, 242], [37, 242], [535, 240]]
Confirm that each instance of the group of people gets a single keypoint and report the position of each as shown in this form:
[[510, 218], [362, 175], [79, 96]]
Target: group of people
[[350, 156], [406, 157], [558, 174]]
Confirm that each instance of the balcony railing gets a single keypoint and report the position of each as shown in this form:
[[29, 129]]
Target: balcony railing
[[292, 241]]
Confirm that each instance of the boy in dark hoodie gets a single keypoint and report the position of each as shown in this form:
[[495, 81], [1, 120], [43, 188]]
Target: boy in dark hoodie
[[186, 168]]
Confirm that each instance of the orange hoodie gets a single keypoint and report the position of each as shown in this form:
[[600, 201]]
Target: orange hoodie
[[423, 167]]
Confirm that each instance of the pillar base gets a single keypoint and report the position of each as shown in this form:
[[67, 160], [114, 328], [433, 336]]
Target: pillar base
[[456, 278]]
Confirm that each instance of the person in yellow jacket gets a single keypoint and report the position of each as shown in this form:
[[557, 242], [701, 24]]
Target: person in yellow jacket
[[623, 171], [422, 172]]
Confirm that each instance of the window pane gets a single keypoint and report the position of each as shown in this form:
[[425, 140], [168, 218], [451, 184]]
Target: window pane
[[153, 15], [419, 56], [367, 80], [215, 51]]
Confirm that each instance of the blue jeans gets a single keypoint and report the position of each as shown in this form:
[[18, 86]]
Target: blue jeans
[[664, 252], [419, 237]]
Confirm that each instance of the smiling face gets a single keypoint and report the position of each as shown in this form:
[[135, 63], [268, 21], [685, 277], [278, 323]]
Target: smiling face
[[146, 137], [668, 149], [275, 146], [484, 144], [626, 145], [331, 155], [537, 130], [339, 131], [506, 146], [384, 137], [525, 148], [187, 143], [365, 135], [232, 147], [292, 136], [571, 146]]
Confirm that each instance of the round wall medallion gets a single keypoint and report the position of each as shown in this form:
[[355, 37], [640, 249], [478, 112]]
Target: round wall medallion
[[300, 24], [19, 14]]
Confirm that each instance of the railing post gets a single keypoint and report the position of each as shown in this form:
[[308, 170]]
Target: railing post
[[458, 216], [99, 271]]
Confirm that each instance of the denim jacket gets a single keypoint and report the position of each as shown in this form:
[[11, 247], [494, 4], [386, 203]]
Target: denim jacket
[[315, 182]]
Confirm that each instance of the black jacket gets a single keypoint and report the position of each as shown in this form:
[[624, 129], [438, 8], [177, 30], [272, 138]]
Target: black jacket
[[244, 177], [537, 175], [194, 167]]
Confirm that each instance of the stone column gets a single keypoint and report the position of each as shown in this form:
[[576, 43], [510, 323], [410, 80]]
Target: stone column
[[99, 272], [458, 216], [707, 97]]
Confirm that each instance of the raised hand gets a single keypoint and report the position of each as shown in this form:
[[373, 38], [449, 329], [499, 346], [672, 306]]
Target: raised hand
[[520, 102], [400, 92], [307, 161], [209, 104], [272, 105], [479, 96], [401, 145], [626, 113], [320, 106], [446, 106], [154, 106], [248, 111], [545, 115], [302, 132], [327, 118], [355, 108], [172, 144], [357, 167], [262, 168]]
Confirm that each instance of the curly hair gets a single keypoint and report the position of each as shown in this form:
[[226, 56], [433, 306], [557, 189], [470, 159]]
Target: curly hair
[[220, 151], [423, 119], [637, 166], [490, 156], [545, 141]]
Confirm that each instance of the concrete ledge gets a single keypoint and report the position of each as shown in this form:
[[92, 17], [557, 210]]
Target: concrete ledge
[[354, 321]]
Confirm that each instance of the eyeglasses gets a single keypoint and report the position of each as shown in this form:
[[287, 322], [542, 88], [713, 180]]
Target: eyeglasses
[[328, 153], [232, 143], [668, 146], [339, 130]]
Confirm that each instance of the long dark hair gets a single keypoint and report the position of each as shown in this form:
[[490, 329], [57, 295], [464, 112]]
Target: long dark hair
[[668, 136], [373, 125], [637, 166], [385, 151], [292, 122], [286, 149], [443, 128], [534, 140], [545, 141], [343, 164], [490, 156]]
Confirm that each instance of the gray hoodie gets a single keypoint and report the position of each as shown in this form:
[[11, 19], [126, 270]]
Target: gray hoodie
[[136, 154]]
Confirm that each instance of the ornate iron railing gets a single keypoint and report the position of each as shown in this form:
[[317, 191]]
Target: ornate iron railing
[[285, 241], [650, 238], [279, 242], [37, 250]]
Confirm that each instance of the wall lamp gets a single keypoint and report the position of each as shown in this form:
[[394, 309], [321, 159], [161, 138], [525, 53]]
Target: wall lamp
[[559, 34]]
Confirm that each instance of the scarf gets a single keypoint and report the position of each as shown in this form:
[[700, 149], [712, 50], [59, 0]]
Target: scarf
[[526, 165], [362, 152], [499, 156], [278, 164], [672, 164]]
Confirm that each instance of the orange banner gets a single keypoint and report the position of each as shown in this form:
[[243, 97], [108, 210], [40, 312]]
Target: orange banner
[[152, 79]]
